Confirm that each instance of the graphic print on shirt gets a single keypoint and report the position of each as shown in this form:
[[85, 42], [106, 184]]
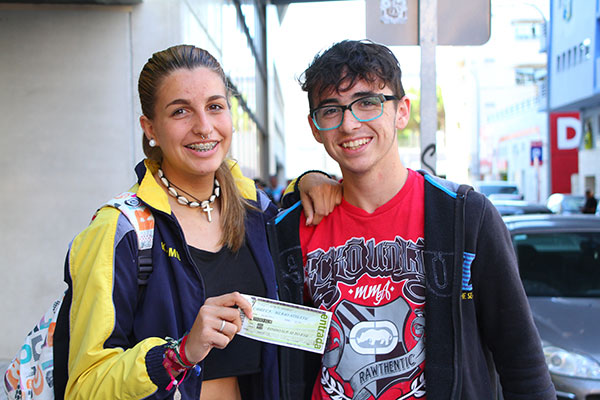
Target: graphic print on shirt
[[376, 343]]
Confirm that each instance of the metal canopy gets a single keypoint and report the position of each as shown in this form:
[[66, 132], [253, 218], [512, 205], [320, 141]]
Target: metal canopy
[[286, 2], [98, 2]]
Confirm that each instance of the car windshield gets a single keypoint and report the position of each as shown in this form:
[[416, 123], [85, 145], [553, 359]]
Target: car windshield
[[564, 264], [573, 203], [498, 189]]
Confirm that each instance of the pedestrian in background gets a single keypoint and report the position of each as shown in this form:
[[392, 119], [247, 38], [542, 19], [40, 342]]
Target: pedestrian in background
[[274, 190], [590, 203]]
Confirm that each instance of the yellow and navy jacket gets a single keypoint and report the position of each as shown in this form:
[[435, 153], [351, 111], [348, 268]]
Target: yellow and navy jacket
[[109, 342]]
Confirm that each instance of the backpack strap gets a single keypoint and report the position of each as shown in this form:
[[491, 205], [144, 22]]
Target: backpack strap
[[460, 281], [466, 236], [142, 221]]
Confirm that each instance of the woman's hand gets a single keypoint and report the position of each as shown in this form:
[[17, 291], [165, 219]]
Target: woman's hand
[[319, 195], [216, 324]]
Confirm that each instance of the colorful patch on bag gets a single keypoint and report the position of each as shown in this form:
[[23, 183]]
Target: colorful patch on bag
[[30, 375]]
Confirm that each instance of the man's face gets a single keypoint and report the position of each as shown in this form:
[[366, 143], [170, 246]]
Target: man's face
[[360, 147]]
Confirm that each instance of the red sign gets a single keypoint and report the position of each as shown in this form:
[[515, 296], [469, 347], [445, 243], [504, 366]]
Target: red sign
[[565, 137]]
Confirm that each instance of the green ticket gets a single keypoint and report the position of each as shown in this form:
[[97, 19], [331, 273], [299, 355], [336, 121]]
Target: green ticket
[[286, 324]]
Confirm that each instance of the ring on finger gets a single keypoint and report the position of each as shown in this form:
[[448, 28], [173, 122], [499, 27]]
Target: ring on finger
[[222, 325]]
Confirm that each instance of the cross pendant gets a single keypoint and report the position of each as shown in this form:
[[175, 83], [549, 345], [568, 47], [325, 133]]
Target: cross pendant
[[207, 209]]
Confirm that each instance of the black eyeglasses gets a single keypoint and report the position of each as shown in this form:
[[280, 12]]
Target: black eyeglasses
[[364, 109]]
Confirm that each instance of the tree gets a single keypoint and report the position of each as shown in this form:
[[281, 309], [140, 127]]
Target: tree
[[409, 136]]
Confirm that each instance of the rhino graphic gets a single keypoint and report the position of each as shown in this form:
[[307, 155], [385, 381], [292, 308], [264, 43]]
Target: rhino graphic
[[374, 336]]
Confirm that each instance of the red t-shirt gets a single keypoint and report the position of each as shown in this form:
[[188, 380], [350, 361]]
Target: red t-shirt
[[368, 270]]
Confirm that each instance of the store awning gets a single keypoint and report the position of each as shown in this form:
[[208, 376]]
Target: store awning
[[98, 2]]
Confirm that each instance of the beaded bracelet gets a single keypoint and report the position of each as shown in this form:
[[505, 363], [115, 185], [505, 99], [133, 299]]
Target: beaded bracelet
[[181, 353], [176, 351], [170, 362], [174, 359]]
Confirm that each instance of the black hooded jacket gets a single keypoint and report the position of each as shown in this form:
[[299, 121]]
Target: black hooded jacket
[[472, 336]]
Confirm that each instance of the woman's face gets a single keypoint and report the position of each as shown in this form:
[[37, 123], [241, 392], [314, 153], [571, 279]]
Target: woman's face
[[192, 123]]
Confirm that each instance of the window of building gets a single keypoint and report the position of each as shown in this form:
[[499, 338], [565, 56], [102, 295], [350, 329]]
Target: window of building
[[588, 139], [527, 29], [597, 132], [586, 46], [529, 75]]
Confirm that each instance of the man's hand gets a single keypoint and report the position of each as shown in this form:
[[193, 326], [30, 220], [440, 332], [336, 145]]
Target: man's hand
[[319, 195]]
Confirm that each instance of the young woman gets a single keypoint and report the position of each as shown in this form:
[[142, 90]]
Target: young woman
[[178, 339]]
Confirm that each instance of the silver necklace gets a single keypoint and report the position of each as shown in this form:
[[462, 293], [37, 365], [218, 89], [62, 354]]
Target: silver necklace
[[205, 204]]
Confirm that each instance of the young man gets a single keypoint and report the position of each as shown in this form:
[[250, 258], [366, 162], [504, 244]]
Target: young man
[[419, 273]]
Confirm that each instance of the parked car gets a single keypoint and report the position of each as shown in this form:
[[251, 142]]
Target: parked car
[[559, 264], [518, 207], [499, 189], [561, 203]]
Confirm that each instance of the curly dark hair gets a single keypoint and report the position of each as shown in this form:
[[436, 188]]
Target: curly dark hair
[[346, 62]]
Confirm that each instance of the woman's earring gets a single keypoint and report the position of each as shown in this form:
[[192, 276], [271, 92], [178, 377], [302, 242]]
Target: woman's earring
[[152, 143]]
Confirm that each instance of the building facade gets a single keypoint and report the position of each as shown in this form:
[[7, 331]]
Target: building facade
[[495, 100], [69, 111], [573, 60]]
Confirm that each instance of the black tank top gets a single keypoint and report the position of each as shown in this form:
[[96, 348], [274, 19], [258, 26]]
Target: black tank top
[[225, 272]]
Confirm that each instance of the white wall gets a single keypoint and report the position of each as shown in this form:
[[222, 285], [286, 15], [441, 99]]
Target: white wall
[[66, 145], [575, 82]]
